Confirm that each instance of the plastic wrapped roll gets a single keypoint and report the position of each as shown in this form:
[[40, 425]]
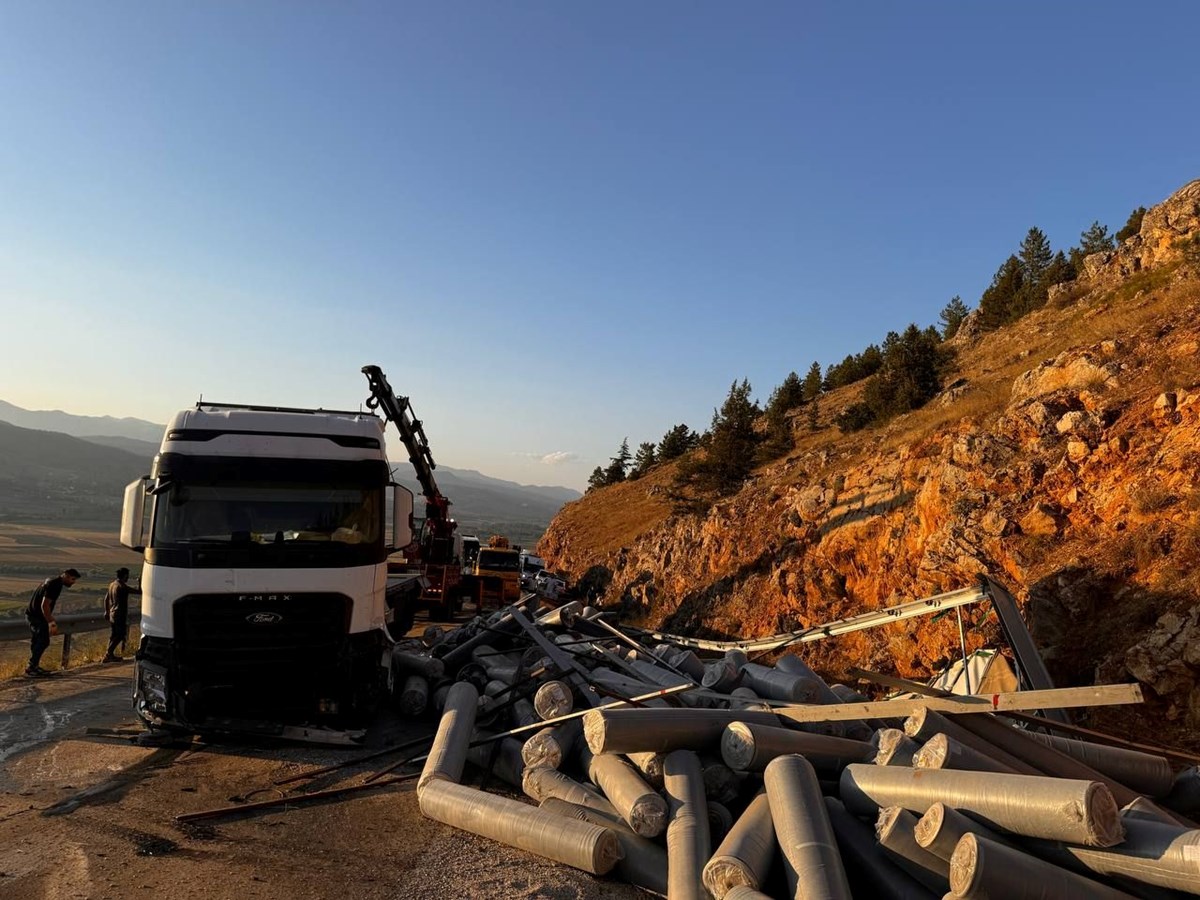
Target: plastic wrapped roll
[[1148, 811], [503, 761], [448, 754], [662, 730], [550, 746], [894, 830], [746, 853], [776, 685], [871, 872], [721, 676], [688, 847], [580, 844], [1184, 796], [1060, 809], [419, 664], [643, 864], [540, 783], [982, 869], [944, 752], [1145, 773], [553, 699], [414, 696], [650, 765], [894, 748], [638, 803], [1156, 853], [941, 827], [812, 863], [721, 783], [749, 747]]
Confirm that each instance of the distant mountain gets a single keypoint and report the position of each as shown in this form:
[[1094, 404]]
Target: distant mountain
[[144, 449], [80, 426], [49, 477], [79, 470]]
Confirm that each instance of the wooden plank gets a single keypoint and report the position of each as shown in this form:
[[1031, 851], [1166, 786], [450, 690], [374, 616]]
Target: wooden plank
[[1057, 698]]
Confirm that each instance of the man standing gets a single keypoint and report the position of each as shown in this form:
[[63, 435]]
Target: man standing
[[40, 615], [116, 610]]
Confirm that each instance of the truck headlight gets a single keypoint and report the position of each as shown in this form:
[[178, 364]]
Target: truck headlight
[[152, 685]]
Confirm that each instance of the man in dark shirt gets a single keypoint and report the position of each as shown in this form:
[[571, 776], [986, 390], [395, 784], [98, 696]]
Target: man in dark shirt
[[116, 610], [40, 615]]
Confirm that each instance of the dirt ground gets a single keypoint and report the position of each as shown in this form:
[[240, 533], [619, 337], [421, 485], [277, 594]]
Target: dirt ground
[[86, 812]]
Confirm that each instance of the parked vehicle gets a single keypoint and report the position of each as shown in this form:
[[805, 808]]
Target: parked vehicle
[[265, 596], [530, 566], [549, 585]]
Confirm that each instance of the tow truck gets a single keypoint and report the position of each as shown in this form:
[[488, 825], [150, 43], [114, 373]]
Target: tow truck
[[426, 574]]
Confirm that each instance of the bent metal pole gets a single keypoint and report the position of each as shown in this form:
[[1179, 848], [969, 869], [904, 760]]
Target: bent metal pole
[[1060, 809], [812, 863]]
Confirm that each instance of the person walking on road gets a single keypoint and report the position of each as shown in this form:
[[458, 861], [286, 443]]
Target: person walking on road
[[40, 615], [116, 610]]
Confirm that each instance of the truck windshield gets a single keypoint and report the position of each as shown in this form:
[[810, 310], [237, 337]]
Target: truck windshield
[[499, 560], [266, 513]]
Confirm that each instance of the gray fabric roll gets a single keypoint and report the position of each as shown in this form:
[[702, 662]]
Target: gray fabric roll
[[553, 699], [894, 748], [644, 863], [944, 752], [777, 685], [941, 827], [1081, 812], [662, 730], [812, 863], [540, 783], [688, 847], [749, 747], [746, 853], [414, 695], [507, 764], [871, 872], [638, 803], [448, 754], [894, 829], [982, 869], [1145, 773], [580, 844], [1155, 853]]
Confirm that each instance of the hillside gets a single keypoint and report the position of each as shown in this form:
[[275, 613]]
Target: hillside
[[49, 477], [1063, 461]]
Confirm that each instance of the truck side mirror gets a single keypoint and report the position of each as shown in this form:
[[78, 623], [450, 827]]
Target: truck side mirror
[[402, 517], [133, 515]]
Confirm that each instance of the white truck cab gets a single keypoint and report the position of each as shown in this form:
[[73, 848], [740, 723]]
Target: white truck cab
[[264, 580]]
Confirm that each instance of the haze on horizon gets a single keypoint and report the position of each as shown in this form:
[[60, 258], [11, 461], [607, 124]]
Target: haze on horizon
[[552, 227]]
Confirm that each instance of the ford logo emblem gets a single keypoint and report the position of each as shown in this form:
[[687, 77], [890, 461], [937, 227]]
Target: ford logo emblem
[[264, 618]]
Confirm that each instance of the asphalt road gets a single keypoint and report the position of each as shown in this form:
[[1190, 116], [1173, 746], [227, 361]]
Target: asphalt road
[[86, 811]]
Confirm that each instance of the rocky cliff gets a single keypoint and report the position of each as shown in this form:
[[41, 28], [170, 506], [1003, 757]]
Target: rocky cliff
[[1063, 460]]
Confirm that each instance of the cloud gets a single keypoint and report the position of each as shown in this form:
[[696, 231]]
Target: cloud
[[559, 457]]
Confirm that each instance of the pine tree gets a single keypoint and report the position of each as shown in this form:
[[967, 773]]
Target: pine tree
[[596, 480], [644, 459], [730, 449], [814, 414], [784, 398], [999, 303], [952, 315], [1035, 256], [1095, 239], [1133, 224], [676, 442], [618, 465], [1060, 270], [812, 382]]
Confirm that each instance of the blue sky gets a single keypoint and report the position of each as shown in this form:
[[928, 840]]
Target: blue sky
[[554, 225]]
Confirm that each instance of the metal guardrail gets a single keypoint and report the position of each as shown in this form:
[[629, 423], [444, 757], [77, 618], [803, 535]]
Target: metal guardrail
[[68, 624]]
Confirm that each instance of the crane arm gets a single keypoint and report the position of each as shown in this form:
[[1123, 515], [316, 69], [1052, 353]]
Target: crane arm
[[412, 433]]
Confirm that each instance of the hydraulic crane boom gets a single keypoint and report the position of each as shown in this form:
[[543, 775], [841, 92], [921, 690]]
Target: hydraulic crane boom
[[412, 433]]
